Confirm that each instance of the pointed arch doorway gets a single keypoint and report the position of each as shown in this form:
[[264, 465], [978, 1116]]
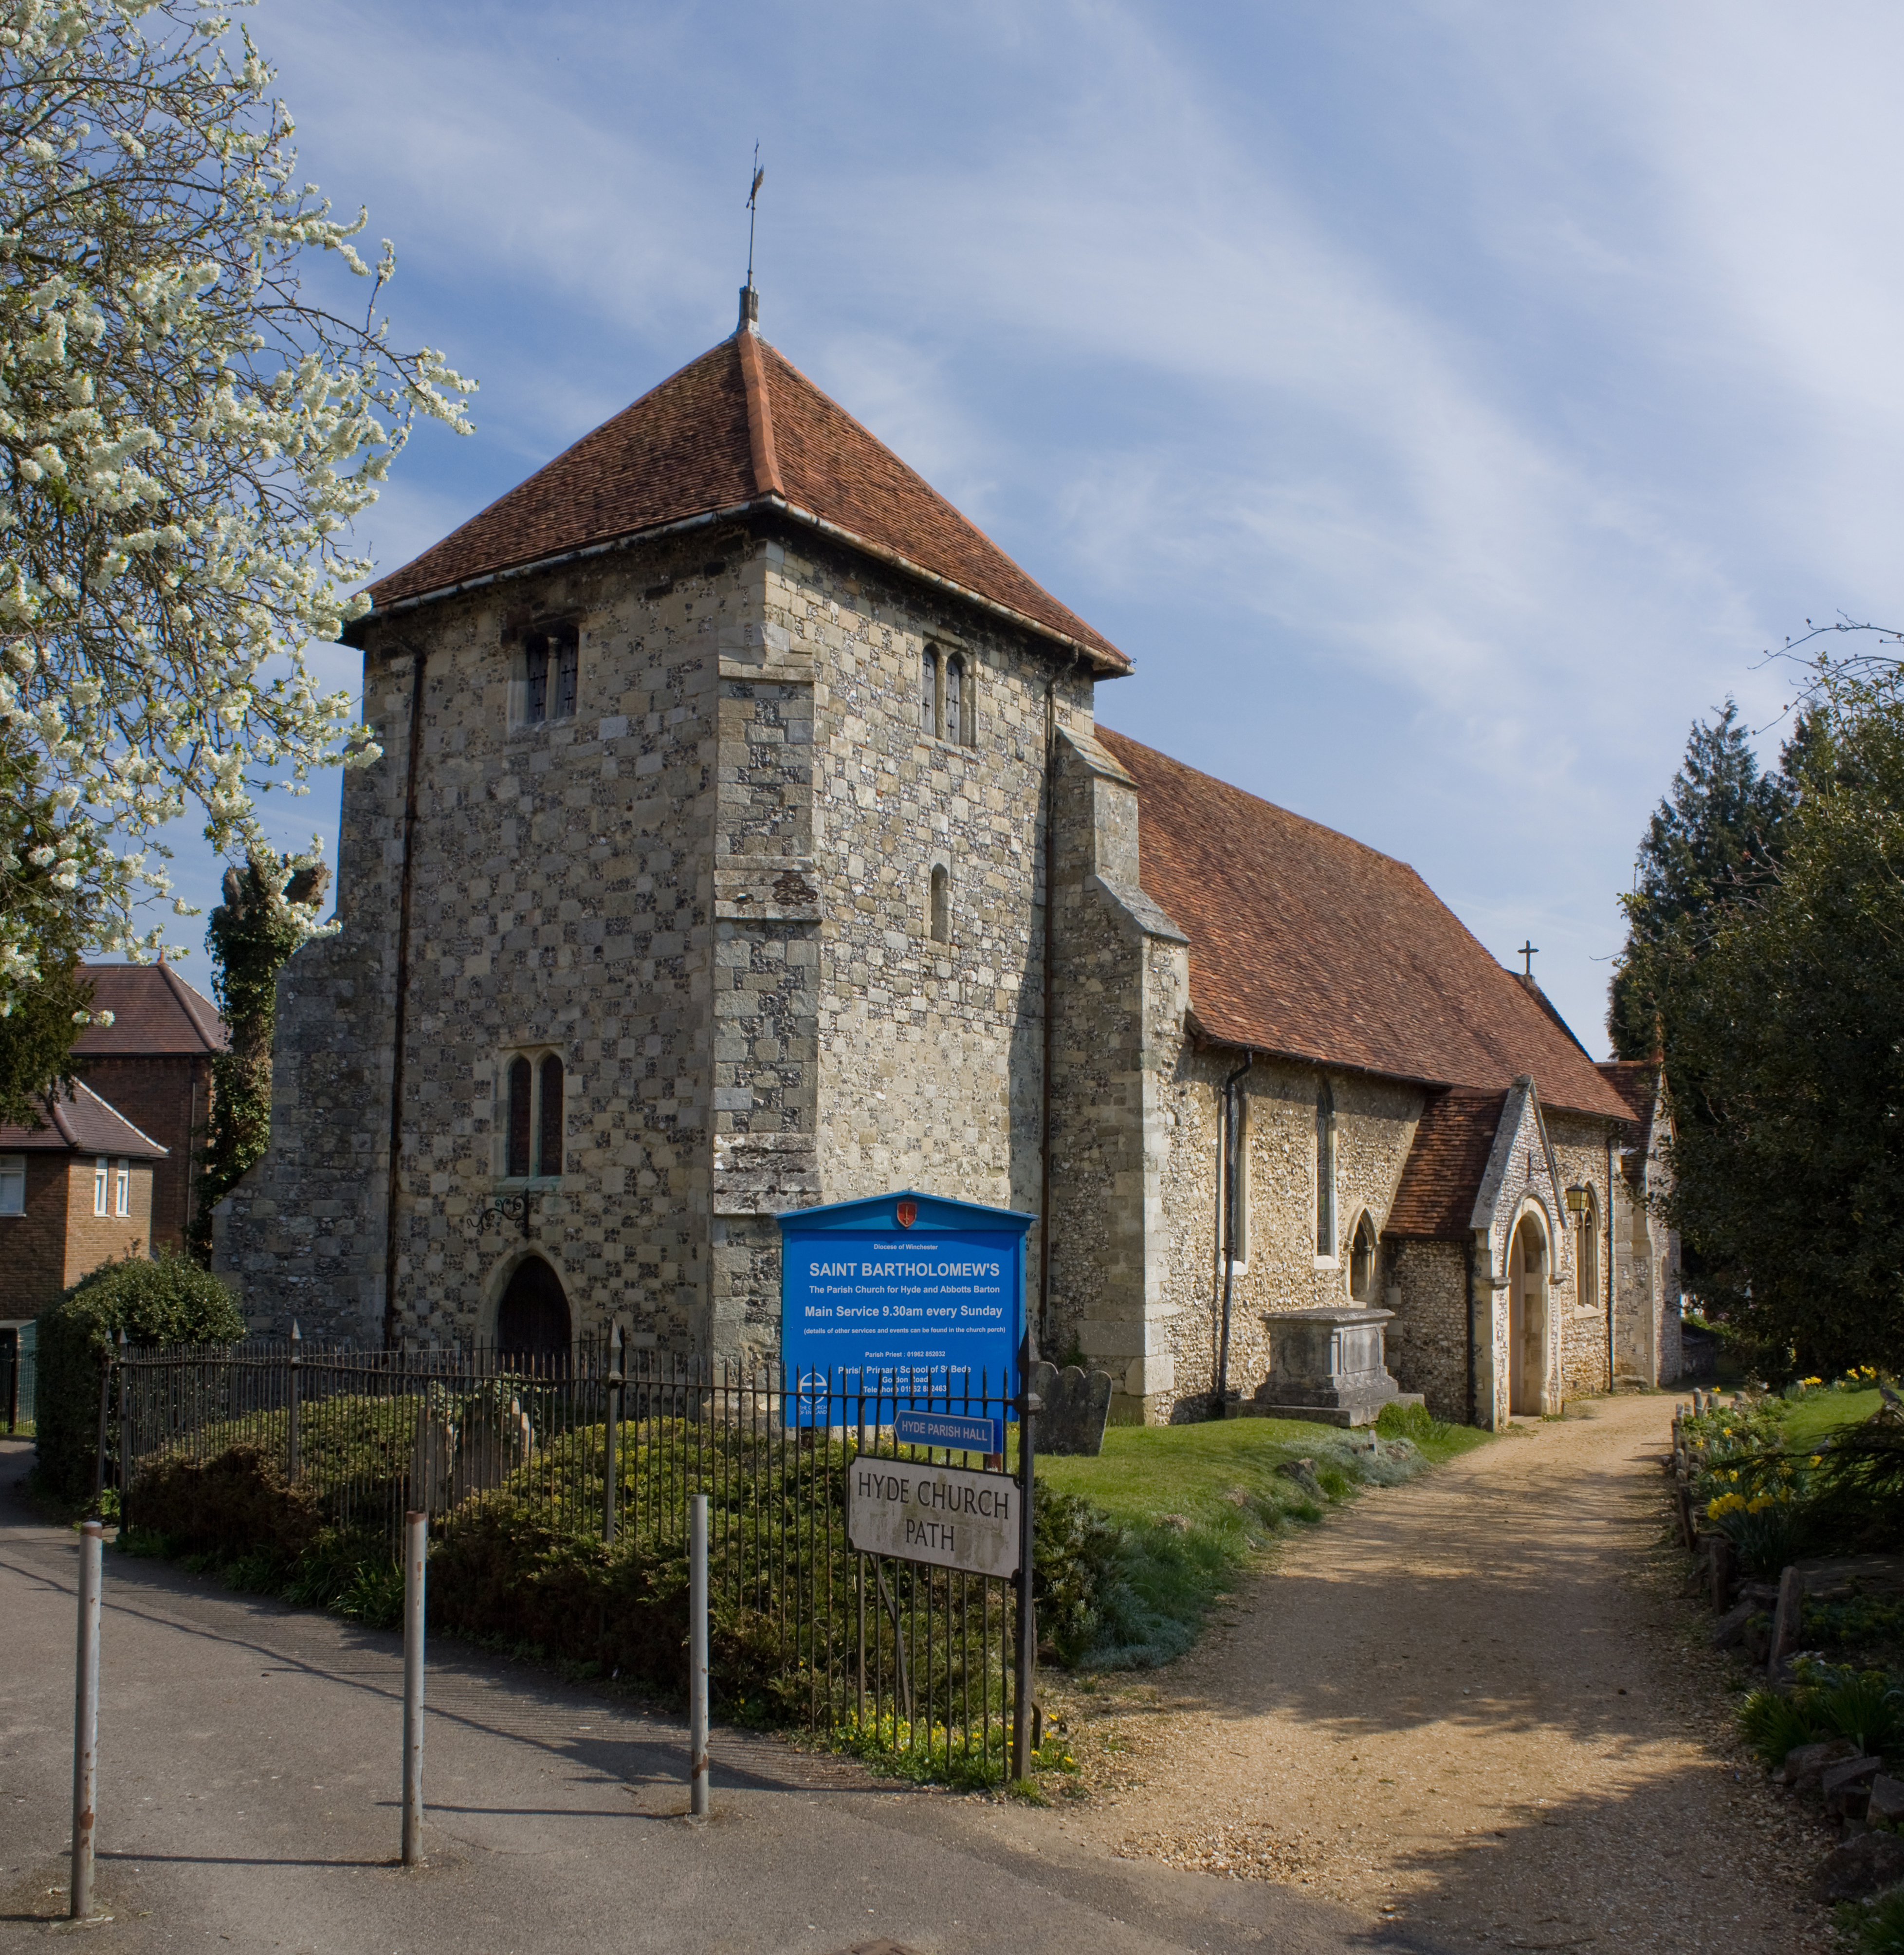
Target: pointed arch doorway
[[531, 1320], [1527, 1319]]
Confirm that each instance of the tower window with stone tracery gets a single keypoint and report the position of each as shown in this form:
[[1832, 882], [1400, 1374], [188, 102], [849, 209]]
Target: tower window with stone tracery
[[551, 670]]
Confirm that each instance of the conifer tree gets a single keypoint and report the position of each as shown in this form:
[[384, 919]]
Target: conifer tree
[[1714, 839]]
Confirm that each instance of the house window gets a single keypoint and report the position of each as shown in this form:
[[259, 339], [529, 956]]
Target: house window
[[532, 1119], [928, 693], [1363, 1253], [941, 919], [13, 1184], [122, 1189], [1325, 1171], [102, 1184], [551, 666], [1586, 1259]]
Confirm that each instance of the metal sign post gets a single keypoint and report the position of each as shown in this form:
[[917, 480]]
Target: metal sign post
[[85, 1720], [416, 1549], [1029, 1406], [697, 1656]]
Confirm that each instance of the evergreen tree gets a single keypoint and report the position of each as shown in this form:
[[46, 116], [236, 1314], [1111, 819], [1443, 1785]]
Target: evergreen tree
[[1714, 839]]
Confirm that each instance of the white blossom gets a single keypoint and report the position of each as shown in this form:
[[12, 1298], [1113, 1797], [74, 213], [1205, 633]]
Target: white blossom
[[185, 439]]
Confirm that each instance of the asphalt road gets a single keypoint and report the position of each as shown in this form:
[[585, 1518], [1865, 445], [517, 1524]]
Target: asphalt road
[[248, 1779]]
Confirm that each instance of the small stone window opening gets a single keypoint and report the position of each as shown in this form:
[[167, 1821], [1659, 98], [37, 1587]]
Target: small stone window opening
[[102, 1182], [13, 1184], [928, 693], [1239, 1193], [1586, 1261], [532, 1128], [551, 665], [1364, 1255], [954, 721], [1325, 1171], [122, 1189], [548, 1124], [521, 1090], [941, 910]]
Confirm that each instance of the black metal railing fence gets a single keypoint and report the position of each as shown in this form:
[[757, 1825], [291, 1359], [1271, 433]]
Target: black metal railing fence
[[595, 1442]]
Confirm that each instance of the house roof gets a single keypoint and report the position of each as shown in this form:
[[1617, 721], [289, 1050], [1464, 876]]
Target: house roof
[[740, 431], [80, 1123], [1309, 946], [1441, 1178], [155, 1013]]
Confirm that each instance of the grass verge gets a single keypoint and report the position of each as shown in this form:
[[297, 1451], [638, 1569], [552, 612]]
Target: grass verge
[[1194, 1505]]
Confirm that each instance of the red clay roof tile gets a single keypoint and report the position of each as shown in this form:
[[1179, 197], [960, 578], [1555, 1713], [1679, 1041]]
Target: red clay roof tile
[[1305, 944], [1440, 1179], [154, 1012], [740, 428], [81, 1123]]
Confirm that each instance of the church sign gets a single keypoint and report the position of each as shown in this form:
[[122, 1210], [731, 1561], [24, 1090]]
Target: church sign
[[906, 1296], [944, 1515]]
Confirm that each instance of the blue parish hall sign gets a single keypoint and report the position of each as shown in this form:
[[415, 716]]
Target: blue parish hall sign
[[908, 1295]]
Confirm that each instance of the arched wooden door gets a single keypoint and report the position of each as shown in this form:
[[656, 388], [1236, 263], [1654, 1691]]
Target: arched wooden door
[[532, 1321], [1527, 1320]]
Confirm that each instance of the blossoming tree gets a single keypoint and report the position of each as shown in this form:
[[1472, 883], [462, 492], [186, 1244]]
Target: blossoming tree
[[187, 435]]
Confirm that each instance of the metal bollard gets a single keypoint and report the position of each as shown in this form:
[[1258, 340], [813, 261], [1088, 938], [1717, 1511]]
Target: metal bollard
[[85, 1720], [416, 1547], [697, 1656]]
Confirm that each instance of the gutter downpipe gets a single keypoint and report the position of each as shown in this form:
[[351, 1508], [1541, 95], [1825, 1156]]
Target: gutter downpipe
[[1051, 940], [1610, 1259], [1226, 1216], [419, 659]]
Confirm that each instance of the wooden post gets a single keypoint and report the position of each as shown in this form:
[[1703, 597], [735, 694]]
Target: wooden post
[[1786, 1619]]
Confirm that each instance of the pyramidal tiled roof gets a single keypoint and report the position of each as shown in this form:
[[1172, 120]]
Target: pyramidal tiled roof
[[1308, 945], [737, 431], [154, 1010]]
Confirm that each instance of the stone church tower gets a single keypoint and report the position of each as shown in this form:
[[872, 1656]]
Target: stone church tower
[[703, 876]]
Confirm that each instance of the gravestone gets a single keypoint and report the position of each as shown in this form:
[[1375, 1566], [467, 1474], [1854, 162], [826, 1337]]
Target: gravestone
[[1076, 1405], [432, 1458], [494, 1438]]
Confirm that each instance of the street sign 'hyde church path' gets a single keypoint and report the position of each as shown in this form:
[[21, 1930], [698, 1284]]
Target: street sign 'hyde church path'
[[905, 1295]]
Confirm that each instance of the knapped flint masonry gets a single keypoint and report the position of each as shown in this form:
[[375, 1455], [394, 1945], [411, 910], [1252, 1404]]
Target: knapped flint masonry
[[737, 752]]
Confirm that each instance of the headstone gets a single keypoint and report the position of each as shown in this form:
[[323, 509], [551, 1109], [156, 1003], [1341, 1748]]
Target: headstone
[[494, 1440], [432, 1455], [1076, 1405]]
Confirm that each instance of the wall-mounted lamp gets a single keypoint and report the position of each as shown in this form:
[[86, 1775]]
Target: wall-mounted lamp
[[1577, 1202]]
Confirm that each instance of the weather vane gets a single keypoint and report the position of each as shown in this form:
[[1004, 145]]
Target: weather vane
[[759, 177]]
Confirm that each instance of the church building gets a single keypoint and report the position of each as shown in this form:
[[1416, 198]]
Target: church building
[[744, 837]]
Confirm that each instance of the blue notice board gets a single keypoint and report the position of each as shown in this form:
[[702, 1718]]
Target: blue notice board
[[909, 1295]]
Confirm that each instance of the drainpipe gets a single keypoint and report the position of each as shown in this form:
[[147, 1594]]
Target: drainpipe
[[1226, 1217], [1050, 933], [1610, 1259], [419, 659]]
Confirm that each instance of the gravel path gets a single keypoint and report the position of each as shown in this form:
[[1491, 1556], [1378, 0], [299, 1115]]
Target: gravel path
[[1475, 1707]]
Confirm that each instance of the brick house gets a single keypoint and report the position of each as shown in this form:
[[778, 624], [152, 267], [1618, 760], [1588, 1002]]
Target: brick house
[[154, 1064], [75, 1192], [705, 876]]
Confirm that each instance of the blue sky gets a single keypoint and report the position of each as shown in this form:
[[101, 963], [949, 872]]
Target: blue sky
[[1442, 403]]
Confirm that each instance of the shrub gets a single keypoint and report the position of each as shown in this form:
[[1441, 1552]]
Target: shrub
[[237, 1503], [1077, 1579], [1865, 1706], [166, 1301], [1773, 1724]]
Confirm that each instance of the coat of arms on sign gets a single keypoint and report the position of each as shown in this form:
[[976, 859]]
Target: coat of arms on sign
[[908, 1213]]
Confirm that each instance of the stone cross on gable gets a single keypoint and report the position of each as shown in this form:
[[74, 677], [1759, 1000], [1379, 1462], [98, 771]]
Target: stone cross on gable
[[1530, 950]]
